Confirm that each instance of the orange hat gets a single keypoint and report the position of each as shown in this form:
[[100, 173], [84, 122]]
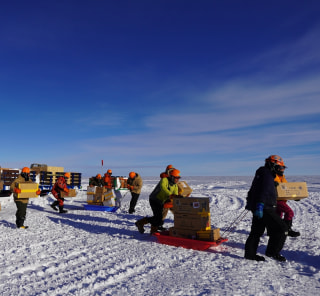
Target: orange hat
[[26, 170], [98, 176], [109, 172], [175, 173], [67, 175], [276, 159], [132, 175], [169, 166]]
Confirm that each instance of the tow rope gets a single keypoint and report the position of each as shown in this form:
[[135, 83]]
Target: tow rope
[[231, 227]]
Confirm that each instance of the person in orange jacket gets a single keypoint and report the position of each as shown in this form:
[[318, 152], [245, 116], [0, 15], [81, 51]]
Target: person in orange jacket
[[21, 203], [107, 181], [283, 209], [58, 187]]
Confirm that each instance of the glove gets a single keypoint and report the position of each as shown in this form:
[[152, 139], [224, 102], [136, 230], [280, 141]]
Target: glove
[[66, 190], [38, 192], [168, 204], [259, 210], [17, 190]]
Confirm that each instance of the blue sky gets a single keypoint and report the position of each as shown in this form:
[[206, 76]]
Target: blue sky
[[212, 87]]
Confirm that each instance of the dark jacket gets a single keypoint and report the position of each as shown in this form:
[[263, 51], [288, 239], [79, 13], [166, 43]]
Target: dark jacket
[[262, 190], [94, 181]]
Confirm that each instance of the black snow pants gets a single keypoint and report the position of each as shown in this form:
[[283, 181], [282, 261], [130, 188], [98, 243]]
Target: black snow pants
[[276, 229], [133, 201], [157, 208], [21, 212]]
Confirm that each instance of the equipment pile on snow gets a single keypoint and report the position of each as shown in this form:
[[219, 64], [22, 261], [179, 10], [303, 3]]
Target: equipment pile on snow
[[42, 174], [46, 176], [104, 199]]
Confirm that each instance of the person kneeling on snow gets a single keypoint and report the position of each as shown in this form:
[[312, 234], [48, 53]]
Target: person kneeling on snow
[[162, 193], [58, 187]]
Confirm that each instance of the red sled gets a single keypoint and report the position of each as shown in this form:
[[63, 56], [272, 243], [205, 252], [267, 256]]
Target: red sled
[[187, 243]]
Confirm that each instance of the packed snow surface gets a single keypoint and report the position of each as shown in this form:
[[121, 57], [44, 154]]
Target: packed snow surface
[[101, 253]]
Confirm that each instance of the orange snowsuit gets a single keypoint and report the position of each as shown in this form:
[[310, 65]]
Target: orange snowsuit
[[107, 181]]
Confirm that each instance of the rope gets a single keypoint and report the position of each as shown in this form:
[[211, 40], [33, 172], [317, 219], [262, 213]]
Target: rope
[[238, 219]]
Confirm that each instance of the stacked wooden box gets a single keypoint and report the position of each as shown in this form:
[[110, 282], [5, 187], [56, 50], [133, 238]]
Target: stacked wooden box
[[192, 219], [100, 196]]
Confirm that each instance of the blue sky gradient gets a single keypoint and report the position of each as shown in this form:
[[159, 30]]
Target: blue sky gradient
[[212, 87]]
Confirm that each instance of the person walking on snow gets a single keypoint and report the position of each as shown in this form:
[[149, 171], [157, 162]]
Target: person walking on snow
[[283, 209], [165, 190], [134, 184], [262, 202], [58, 187], [21, 203]]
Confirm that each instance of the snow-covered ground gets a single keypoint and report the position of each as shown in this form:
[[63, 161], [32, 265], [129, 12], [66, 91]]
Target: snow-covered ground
[[99, 253]]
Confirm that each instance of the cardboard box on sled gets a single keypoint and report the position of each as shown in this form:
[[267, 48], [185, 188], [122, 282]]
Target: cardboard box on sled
[[191, 205]]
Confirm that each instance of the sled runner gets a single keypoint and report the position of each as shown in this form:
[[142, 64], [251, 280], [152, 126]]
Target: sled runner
[[200, 245]]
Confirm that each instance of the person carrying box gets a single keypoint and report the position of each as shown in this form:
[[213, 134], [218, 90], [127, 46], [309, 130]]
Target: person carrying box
[[21, 203], [58, 187], [283, 209]]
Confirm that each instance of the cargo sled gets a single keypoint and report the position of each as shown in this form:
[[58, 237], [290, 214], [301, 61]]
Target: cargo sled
[[100, 208], [187, 243]]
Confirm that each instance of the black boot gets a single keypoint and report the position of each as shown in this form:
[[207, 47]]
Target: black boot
[[277, 257], [54, 205], [291, 232], [255, 257], [61, 210], [140, 223]]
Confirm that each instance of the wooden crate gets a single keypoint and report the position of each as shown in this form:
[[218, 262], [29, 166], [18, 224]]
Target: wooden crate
[[209, 235], [182, 232], [191, 205], [8, 176], [192, 221]]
